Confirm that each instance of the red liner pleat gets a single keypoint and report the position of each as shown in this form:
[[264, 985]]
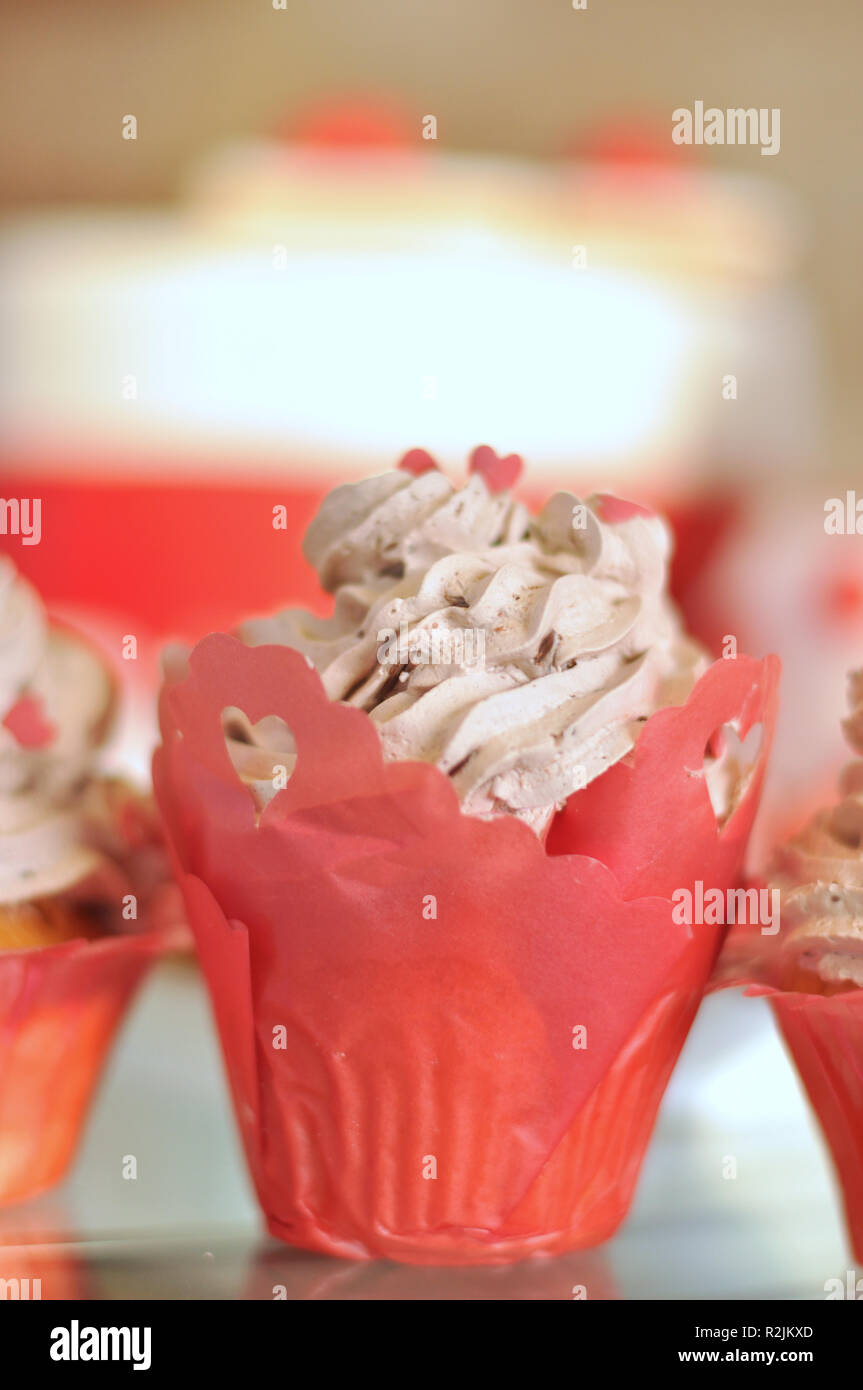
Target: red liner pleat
[[824, 1035], [60, 1007], [397, 985]]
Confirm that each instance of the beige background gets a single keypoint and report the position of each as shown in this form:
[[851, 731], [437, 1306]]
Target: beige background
[[523, 76]]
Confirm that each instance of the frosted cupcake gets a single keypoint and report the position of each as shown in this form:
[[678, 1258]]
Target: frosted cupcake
[[519, 654], [80, 866], [812, 970], [428, 847], [820, 876]]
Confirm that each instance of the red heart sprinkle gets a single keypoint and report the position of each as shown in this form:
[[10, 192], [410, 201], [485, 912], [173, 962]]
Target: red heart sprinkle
[[28, 725], [498, 473], [417, 461]]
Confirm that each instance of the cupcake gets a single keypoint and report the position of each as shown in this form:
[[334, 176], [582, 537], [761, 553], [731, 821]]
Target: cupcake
[[812, 970], [819, 874], [428, 848], [81, 873]]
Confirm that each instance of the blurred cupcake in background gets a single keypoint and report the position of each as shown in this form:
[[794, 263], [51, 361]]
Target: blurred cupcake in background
[[779, 581], [84, 905], [820, 876], [812, 969], [606, 294], [428, 848]]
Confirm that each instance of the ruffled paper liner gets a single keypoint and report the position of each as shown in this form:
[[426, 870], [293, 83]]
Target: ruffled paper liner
[[60, 1007], [400, 988], [824, 1036]]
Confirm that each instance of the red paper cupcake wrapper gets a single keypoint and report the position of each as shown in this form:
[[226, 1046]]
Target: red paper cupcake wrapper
[[825, 1038], [60, 1007], [401, 989], [824, 1035]]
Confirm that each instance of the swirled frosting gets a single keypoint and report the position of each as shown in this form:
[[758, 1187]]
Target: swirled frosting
[[820, 875], [55, 701], [519, 653]]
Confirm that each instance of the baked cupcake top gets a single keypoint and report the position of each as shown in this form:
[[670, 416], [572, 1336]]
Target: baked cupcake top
[[520, 653], [820, 876], [56, 698]]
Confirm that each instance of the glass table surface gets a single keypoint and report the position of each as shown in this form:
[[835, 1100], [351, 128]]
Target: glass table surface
[[187, 1226]]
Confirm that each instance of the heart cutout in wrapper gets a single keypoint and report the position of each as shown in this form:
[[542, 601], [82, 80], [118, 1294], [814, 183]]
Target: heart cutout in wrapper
[[623, 817], [444, 1043]]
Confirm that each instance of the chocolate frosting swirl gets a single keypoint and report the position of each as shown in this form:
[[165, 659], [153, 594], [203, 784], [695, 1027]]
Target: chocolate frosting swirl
[[519, 653]]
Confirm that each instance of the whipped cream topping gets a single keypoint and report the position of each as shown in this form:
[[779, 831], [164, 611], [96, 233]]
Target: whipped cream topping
[[45, 768], [521, 654], [820, 874]]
